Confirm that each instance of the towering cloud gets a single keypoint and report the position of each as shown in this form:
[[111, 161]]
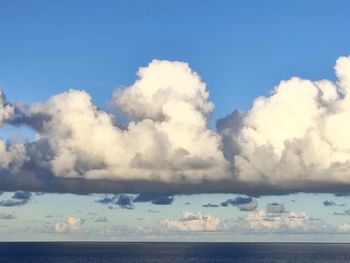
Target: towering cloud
[[294, 140], [167, 139]]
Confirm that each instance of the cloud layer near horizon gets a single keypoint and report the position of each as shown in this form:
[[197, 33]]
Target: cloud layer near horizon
[[294, 140]]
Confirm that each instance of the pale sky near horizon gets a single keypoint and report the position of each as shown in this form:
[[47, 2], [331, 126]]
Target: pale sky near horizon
[[240, 49]]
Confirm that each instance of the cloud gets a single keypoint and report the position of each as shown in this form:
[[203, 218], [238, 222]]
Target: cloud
[[163, 200], [101, 219], [124, 201], [165, 146], [106, 200], [300, 129], [22, 195], [72, 224], [249, 206], [7, 111], [18, 199], [155, 199], [145, 198], [11, 202], [194, 222], [329, 203], [153, 211], [345, 228], [345, 213], [210, 205], [275, 208], [292, 223], [92, 213], [243, 203], [6, 216]]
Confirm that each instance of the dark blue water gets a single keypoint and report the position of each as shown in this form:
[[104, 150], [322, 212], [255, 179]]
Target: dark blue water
[[173, 252]]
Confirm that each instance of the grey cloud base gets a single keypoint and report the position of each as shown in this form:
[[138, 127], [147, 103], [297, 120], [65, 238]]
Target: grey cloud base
[[52, 184], [292, 141]]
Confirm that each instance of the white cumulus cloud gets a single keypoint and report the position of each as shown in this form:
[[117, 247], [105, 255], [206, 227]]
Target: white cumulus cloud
[[297, 137], [195, 222], [293, 140], [293, 222]]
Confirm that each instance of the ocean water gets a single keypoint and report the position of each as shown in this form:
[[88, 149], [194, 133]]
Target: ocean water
[[173, 252]]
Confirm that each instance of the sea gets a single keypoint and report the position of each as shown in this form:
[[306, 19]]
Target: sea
[[90, 252]]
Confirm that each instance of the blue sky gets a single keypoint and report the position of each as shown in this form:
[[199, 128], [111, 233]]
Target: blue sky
[[240, 49], [53, 46]]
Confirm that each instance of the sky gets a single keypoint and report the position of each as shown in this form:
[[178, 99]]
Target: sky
[[174, 120]]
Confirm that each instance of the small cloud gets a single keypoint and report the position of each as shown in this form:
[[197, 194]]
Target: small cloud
[[345, 213], [153, 211], [315, 219], [124, 201], [106, 200], [51, 216], [72, 224], [344, 227], [163, 200], [101, 219], [329, 203], [145, 198], [144, 230], [18, 199], [275, 208], [293, 222], [243, 203], [239, 200], [155, 199], [20, 195], [251, 206], [6, 216], [210, 205], [10, 203], [194, 222], [92, 213]]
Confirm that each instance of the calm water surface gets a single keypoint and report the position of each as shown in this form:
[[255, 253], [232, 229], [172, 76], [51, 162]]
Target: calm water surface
[[173, 252]]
